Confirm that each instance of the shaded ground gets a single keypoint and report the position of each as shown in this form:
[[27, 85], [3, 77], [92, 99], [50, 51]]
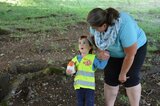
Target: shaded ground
[[38, 51]]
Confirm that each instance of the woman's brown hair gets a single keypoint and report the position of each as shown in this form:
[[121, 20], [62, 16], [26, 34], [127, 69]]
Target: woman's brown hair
[[97, 17]]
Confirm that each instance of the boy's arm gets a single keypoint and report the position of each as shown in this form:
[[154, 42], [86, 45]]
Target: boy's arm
[[99, 64]]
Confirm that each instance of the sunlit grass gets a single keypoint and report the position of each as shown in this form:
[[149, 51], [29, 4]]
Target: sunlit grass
[[19, 2]]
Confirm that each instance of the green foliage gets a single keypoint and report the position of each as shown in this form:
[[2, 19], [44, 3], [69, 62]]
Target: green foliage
[[3, 103], [123, 99], [53, 69], [152, 48]]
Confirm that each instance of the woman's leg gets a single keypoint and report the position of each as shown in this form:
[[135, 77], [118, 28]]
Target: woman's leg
[[134, 94], [111, 86], [133, 86], [110, 94]]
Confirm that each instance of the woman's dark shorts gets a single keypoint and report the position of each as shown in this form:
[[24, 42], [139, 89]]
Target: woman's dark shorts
[[112, 70]]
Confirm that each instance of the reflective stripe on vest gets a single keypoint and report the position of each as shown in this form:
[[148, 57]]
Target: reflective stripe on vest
[[85, 83], [85, 74]]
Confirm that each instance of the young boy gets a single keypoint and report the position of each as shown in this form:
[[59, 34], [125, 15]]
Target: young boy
[[85, 65]]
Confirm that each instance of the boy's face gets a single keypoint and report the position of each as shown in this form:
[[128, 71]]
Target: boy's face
[[84, 46]]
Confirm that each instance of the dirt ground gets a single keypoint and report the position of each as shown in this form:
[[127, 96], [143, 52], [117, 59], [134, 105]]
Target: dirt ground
[[37, 51]]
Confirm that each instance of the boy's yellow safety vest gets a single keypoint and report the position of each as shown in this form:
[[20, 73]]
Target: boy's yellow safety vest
[[85, 77]]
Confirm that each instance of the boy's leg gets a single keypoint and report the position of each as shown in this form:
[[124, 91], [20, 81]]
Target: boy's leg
[[89, 97], [80, 97]]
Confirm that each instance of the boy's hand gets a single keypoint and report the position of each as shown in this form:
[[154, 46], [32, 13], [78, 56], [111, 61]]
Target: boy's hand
[[69, 72], [71, 68]]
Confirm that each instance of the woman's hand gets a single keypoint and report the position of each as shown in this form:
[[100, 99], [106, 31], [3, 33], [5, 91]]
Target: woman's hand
[[103, 55], [122, 78]]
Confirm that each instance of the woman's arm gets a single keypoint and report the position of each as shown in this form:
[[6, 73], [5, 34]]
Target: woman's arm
[[130, 53]]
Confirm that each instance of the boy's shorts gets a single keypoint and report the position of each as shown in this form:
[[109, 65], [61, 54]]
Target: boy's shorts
[[113, 68]]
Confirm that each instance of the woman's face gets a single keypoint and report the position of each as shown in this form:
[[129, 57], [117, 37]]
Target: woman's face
[[101, 28], [84, 46]]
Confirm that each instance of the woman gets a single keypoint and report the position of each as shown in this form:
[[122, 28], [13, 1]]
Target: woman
[[118, 33]]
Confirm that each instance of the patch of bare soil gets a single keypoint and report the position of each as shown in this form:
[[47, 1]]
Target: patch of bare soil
[[38, 51]]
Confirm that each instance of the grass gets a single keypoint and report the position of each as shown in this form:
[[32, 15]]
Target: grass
[[42, 15], [34, 18]]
